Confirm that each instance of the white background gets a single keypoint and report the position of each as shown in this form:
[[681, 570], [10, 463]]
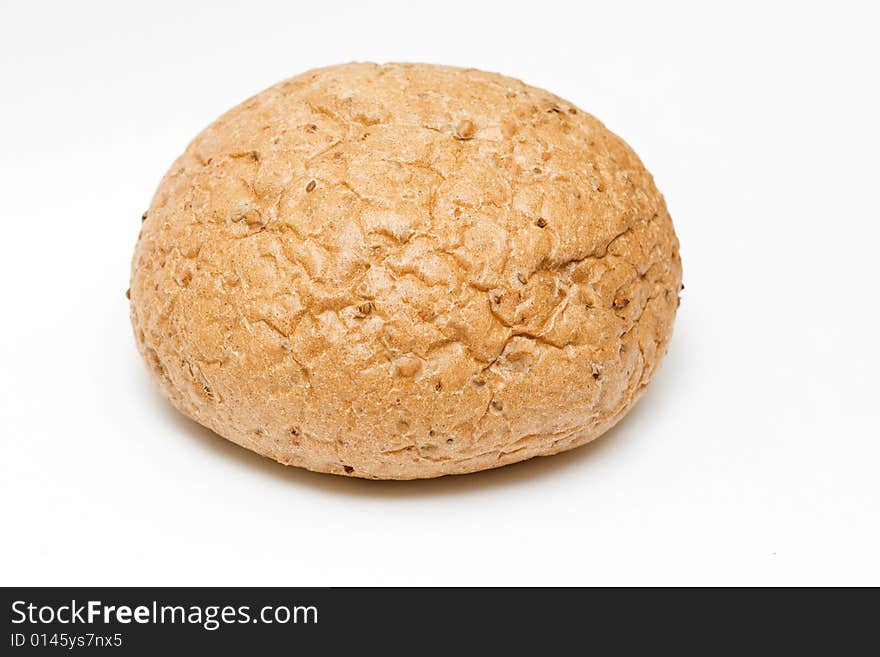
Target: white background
[[752, 459]]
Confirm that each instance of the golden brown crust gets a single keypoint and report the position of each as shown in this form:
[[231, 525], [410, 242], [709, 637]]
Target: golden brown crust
[[405, 271]]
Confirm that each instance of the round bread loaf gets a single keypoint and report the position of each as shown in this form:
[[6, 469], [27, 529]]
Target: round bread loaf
[[405, 271]]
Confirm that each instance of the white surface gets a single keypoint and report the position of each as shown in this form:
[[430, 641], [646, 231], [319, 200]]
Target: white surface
[[752, 459]]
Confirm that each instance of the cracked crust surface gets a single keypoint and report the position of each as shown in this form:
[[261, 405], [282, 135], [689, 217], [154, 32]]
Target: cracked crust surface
[[405, 271]]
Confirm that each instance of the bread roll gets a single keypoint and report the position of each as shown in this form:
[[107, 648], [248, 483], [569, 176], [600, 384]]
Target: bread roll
[[405, 271]]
